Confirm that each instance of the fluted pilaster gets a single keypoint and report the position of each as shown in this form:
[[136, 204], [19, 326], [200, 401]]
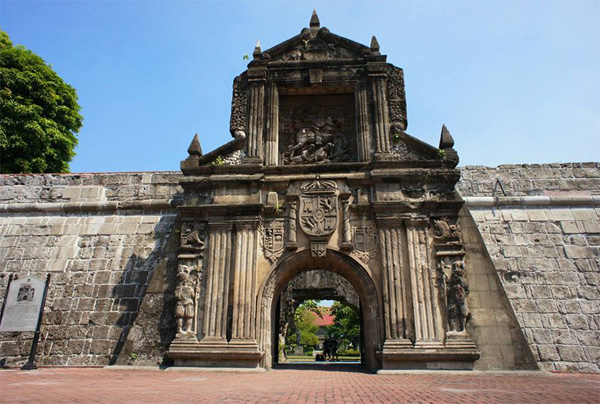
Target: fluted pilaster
[[362, 123], [396, 293], [244, 282], [217, 280], [272, 138], [424, 294]]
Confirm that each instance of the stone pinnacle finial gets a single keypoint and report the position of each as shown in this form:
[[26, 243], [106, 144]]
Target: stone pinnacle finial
[[314, 20], [446, 140], [374, 45], [195, 149], [257, 50]]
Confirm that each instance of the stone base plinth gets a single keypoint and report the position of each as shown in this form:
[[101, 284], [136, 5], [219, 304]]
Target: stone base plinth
[[402, 354], [216, 353]]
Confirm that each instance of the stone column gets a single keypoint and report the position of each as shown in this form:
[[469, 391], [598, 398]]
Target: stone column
[[396, 295], [217, 280], [362, 123], [244, 280], [428, 333], [378, 78], [256, 116], [272, 141]]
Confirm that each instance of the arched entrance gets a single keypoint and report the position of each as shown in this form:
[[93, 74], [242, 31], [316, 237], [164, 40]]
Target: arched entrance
[[333, 261]]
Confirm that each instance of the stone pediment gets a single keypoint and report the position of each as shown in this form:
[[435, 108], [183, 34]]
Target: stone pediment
[[317, 44]]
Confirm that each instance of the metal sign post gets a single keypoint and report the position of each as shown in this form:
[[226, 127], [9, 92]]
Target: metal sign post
[[30, 365], [10, 278]]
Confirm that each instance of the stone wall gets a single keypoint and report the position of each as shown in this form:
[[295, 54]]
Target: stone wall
[[543, 236], [106, 240], [109, 243]]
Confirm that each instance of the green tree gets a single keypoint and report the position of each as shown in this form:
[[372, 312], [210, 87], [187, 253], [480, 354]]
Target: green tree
[[39, 114], [304, 325], [346, 326]]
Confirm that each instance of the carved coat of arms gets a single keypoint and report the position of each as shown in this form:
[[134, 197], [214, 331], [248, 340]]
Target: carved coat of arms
[[318, 213], [365, 240], [274, 239]]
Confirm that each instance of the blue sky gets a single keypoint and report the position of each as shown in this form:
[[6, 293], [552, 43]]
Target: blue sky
[[514, 81]]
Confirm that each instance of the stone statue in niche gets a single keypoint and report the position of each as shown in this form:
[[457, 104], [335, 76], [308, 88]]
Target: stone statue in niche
[[457, 291], [185, 294]]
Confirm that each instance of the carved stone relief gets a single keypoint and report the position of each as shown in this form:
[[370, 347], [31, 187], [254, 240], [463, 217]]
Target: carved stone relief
[[318, 208], [318, 213], [457, 291], [396, 96], [317, 129], [364, 239], [316, 49], [443, 230], [186, 294], [189, 277], [273, 239], [239, 105]]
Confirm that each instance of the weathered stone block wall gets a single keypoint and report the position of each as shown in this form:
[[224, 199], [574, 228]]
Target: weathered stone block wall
[[543, 238], [106, 240], [109, 243]]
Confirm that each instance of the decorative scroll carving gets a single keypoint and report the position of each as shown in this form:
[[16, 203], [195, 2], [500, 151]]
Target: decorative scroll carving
[[273, 243], [239, 105], [457, 291], [318, 208]]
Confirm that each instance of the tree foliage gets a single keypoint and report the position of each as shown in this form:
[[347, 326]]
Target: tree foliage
[[304, 325], [346, 326], [39, 113]]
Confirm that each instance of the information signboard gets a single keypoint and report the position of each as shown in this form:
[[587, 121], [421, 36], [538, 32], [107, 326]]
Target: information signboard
[[23, 304]]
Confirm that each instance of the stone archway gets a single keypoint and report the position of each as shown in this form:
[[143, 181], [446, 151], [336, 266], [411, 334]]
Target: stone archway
[[333, 261]]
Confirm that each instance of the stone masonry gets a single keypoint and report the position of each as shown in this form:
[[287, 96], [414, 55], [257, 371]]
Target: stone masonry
[[540, 225], [105, 240], [108, 241]]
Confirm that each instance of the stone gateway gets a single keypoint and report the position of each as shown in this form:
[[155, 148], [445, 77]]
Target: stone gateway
[[320, 194], [325, 178]]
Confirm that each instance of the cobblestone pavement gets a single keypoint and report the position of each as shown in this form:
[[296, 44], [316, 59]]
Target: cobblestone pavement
[[325, 385]]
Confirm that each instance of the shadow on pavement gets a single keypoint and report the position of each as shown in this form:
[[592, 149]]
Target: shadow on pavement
[[323, 366]]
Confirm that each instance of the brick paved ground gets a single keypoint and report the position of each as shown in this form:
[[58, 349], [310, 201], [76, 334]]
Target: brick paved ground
[[327, 385]]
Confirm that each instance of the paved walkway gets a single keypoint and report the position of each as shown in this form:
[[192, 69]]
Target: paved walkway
[[320, 385]]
